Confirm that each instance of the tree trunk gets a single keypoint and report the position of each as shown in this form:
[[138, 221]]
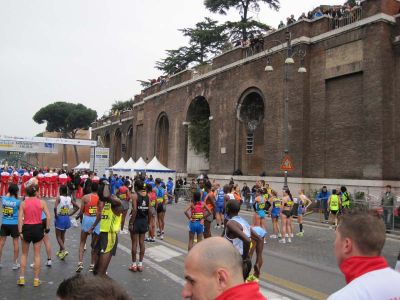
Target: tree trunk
[[76, 154], [244, 20]]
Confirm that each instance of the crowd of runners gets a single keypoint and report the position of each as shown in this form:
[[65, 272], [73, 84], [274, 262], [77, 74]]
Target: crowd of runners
[[103, 205]]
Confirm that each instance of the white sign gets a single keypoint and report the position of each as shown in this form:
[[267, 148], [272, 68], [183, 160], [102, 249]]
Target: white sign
[[100, 161], [35, 139], [26, 146]]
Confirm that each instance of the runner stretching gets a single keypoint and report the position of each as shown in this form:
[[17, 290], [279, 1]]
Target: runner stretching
[[287, 202], [162, 199], [276, 204], [304, 203]]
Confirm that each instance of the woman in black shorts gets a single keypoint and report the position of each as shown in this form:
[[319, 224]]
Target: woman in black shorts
[[139, 224], [31, 230], [286, 214]]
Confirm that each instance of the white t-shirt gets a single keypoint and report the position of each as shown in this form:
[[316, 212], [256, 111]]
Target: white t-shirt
[[380, 284]]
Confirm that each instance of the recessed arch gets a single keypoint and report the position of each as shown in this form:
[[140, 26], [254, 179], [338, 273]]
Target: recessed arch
[[129, 142], [117, 145], [162, 138], [107, 140], [250, 132]]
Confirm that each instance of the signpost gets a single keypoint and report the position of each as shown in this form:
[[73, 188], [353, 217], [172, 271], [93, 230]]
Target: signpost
[[99, 159], [287, 164]]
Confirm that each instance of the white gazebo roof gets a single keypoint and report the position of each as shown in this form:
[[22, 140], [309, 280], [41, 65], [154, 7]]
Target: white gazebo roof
[[140, 164], [129, 165], [155, 166], [118, 165]]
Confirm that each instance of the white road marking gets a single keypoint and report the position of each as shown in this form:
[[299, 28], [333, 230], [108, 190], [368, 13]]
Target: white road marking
[[161, 253]]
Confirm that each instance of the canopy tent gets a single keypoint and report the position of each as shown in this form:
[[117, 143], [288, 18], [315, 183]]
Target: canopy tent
[[140, 164], [82, 166], [157, 170], [127, 169], [118, 165]]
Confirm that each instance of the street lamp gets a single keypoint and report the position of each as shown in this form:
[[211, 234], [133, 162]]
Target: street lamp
[[289, 60]]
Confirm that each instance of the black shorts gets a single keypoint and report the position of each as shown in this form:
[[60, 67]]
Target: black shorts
[[32, 233], [287, 213], [107, 243], [334, 212], [44, 221], [9, 230], [140, 226], [161, 208]]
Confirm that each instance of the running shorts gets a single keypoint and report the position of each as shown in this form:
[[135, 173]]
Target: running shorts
[[334, 212], [275, 213], [160, 208], [125, 204], [32, 233], [62, 222], [301, 211], [287, 213], [260, 231], [210, 218], [44, 221], [140, 226], [261, 213], [9, 230], [219, 208], [107, 243], [88, 222], [153, 211], [196, 227]]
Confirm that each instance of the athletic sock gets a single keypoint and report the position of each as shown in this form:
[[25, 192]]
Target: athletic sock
[[301, 227]]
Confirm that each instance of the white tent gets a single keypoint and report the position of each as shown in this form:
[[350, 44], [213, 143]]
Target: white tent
[[82, 166], [86, 165], [127, 169], [157, 170], [140, 164], [79, 166], [118, 165]]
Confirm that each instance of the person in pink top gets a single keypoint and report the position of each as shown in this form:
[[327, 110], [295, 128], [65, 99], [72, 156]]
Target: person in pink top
[[30, 229], [5, 178]]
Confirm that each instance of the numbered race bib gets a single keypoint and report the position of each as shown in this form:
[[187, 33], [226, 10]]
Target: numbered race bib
[[93, 211], [64, 211], [8, 211]]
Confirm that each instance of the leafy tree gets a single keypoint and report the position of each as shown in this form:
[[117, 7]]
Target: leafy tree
[[244, 7], [176, 60], [122, 105], [145, 83], [206, 38], [66, 119]]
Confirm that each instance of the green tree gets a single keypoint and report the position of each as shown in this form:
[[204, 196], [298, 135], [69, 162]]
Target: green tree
[[244, 7], [66, 119], [176, 60], [205, 39], [122, 105]]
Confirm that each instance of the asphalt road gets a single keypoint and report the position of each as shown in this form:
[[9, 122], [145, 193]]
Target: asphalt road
[[304, 269]]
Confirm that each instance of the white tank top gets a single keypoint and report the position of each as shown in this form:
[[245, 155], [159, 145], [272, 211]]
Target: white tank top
[[231, 196], [237, 243], [64, 206]]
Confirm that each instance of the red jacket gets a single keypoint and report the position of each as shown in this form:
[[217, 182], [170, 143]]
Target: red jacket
[[243, 291]]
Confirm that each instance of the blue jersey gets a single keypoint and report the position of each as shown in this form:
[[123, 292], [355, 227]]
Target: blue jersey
[[10, 210], [170, 186], [220, 196], [160, 192]]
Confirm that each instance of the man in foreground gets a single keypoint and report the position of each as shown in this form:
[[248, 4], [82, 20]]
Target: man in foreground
[[360, 237], [210, 275]]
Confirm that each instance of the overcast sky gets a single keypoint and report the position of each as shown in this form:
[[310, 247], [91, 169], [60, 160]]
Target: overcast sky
[[93, 51]]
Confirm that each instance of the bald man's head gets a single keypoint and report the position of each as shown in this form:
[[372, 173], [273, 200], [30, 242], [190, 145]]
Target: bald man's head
[[216, 252], [213, 263]]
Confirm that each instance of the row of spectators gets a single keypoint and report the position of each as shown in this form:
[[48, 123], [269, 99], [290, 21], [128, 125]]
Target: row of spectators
[[336, 12]]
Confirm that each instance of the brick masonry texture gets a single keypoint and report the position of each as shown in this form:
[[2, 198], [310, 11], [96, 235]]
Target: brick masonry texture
[[343, 113]]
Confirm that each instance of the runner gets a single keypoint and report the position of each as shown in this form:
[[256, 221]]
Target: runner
[[345, 199], [304, 203], [240, 234], [9, 226], [62, 221], [88, 214], [110, 210], [210, 203], [195, 213], [334, 207], [260, 210], [258, 247], [139, 224], [219, 207], [228, 196], [276, 204], [161, 208], [152, 213], [287, 221], [124, 195], [170, 188], [30, 228]]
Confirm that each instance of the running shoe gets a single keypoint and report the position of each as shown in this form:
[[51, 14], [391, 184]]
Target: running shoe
[[153, 240], [289, 240], [273, 236], [140, 266], [79, 268], [49, 263], [91, 268], [217, 227], [161, 237], [58, 253], [282, 241], [279, 235], [286, 235], [265, 241], [291, 235], [36, 282], [16, 266], [300, 234], [133, 267], [21, 281], [32, 265]]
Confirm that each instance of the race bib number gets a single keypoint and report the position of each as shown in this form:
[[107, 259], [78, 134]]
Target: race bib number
[[8, 211], [64, 211], [92, 210]]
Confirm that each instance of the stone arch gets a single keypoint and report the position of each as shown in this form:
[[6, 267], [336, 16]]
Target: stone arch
[[250, 132], [107, 140], [129, 142], [162, 138], [198, 112], [117, 145]]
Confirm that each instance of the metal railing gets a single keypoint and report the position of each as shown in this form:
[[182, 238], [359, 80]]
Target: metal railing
[[348, 17]]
